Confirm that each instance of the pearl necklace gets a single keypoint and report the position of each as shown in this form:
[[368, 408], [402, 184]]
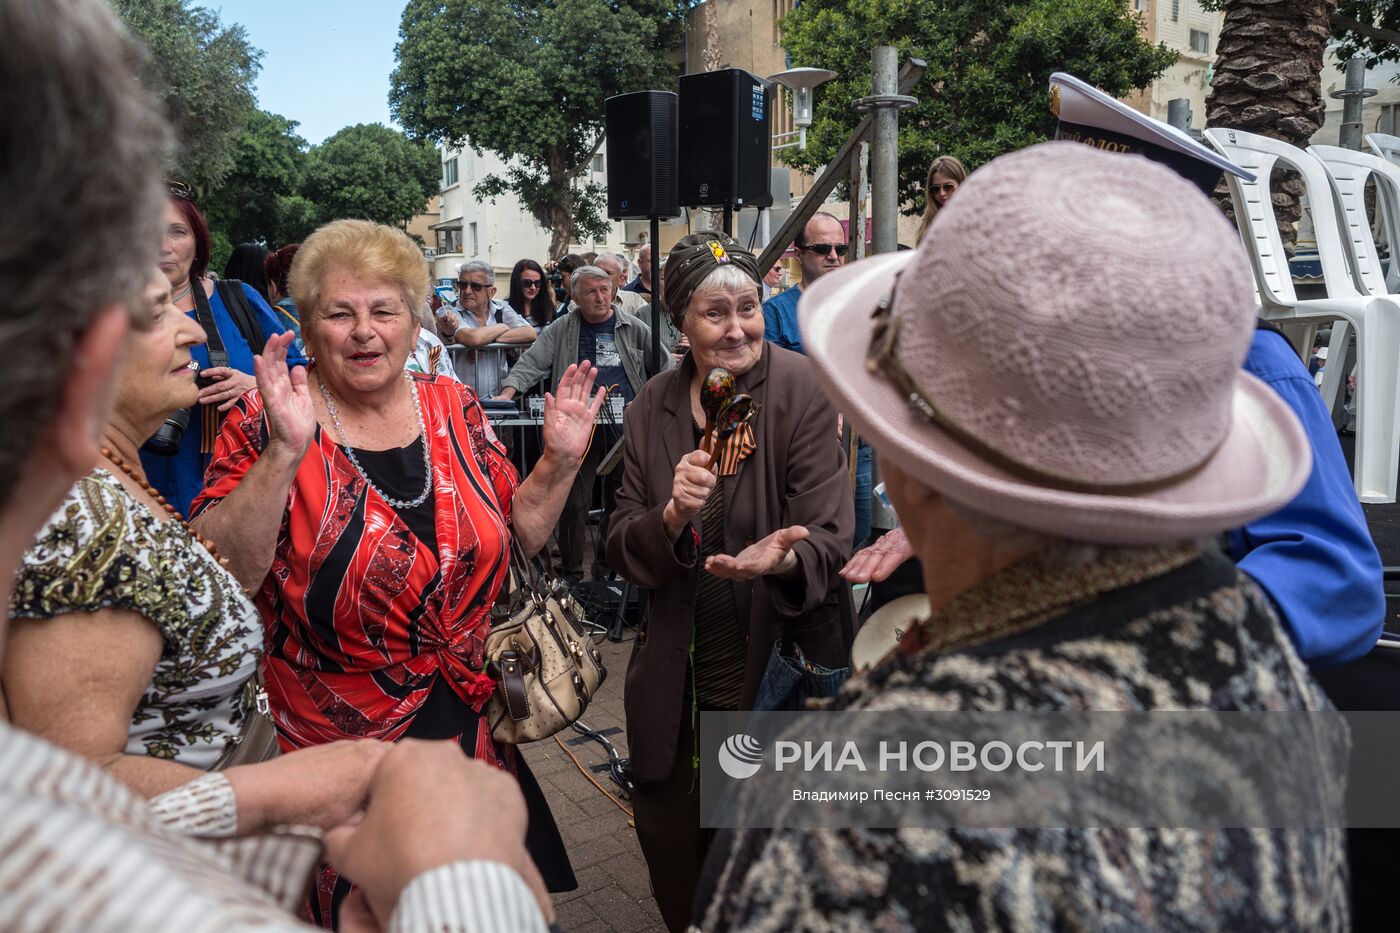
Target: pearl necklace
[[350, 451], [114, 458]]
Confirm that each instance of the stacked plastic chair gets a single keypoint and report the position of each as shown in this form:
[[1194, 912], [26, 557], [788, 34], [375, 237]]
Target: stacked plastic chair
[[1367, 308]]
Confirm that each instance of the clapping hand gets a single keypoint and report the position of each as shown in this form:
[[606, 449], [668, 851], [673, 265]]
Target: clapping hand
[[772, 555], [291, 418], [569, 414]]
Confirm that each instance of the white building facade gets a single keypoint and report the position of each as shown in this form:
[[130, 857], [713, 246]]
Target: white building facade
[[501, 232], [1190, 31]]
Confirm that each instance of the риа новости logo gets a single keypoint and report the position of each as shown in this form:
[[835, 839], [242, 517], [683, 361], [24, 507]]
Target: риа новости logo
[[741, 756]]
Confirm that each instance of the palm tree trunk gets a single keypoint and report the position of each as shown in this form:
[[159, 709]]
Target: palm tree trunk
[[1268, 80]]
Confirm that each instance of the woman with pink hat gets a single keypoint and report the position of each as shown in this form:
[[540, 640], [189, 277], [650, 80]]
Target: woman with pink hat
[[1063, 479]]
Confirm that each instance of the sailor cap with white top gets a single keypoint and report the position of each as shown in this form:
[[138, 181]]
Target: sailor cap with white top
[[1088, 115]]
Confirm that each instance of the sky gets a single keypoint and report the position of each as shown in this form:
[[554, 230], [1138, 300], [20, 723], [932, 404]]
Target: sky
[[325, 63]]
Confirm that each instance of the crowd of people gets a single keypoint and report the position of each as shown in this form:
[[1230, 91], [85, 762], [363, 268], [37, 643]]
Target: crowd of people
[[256, 526]]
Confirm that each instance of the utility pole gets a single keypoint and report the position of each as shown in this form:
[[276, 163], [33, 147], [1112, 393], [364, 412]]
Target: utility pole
[[1352, 96], [884, 105]]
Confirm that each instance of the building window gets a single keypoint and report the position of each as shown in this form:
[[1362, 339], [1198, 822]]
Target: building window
[[450, 240], [476, 244], [1200, 41], [449, 172], [1176, 11], [598, 164]]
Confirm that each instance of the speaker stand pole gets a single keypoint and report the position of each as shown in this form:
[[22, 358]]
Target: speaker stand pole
[[728, 220], [655, 294]]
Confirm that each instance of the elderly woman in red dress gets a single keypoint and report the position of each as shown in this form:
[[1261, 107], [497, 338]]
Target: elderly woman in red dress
[[371, 510]]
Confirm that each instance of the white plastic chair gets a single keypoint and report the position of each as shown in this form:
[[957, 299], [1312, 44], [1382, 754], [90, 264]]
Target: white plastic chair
[[1388, 148], [1375, 317]]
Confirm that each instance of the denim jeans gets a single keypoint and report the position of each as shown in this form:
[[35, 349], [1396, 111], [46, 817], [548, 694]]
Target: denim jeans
[[863, 493]]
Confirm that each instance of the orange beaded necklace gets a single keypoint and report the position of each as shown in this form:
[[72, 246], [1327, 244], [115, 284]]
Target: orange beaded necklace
[[140, 479]]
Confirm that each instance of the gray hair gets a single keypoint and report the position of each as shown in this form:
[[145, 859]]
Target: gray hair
[[729, 278], [583, 273], [478, 265], [616, 259], [69, 88]]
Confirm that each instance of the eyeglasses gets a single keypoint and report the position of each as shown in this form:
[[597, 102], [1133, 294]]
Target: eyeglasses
[[530, 283], [472, 286], [948, 187], [178, 189], [824, 249]]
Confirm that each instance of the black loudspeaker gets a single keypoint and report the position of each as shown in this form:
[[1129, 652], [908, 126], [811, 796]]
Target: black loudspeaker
[[641, 130], [726, 136]]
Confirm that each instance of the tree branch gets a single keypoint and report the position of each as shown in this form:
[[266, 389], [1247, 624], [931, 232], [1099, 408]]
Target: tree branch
[[1340, 23]]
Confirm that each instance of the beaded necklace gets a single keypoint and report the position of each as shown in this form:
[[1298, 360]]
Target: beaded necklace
[[139, 478], [350, 451]]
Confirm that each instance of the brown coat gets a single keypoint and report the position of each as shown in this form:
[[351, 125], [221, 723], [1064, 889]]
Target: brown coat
[[797, 476]]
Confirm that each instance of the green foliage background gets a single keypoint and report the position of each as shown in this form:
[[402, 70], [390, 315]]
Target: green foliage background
[[255, 177], [528, 81], [990, 61]]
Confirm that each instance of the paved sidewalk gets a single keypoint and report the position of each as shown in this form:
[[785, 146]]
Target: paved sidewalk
[[613, 891]]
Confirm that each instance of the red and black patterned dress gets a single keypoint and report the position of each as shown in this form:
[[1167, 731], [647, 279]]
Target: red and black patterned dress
[[374, 617]]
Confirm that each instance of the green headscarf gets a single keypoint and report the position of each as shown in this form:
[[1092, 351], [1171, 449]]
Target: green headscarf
[[692, 260]]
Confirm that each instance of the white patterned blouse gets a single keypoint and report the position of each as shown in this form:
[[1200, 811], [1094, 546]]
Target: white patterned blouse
[[105, 549]]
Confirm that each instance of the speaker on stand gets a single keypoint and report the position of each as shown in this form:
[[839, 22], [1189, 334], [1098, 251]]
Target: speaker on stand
[[725, 132], [641, 170]]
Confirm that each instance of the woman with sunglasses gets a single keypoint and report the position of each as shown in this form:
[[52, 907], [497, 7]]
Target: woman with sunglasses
[[944, 176], [530, 294], [178, 471]]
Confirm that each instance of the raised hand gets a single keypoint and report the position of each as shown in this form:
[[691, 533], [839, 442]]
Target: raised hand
[[291, 418], [772, 555], [569, 414], [876, 562]]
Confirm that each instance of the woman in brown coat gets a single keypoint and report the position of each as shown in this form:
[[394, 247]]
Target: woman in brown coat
[[778, 500]]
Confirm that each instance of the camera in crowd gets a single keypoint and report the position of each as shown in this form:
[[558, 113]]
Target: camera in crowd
[[556, 279], [166, 441]]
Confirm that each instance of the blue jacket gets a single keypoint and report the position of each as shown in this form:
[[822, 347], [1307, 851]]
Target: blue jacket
[[1315, 557], [181, 477], [780, 320]]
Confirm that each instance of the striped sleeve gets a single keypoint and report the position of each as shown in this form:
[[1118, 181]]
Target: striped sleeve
[[477, 896], [203, 807]]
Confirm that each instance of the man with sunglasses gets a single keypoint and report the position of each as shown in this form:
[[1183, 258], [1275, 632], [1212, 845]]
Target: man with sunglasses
[[481, 320], [821, 248]]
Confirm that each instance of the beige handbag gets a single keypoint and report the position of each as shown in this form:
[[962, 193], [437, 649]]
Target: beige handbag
[[545, 666], [257, 741]]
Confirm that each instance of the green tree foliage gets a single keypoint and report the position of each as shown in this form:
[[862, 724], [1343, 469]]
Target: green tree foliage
[[372, 172], [261, 200], [208, 70], [989, 65], [528, 81]]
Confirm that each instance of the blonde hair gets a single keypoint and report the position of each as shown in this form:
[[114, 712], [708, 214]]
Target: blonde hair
[[370, 250], [950, 166]]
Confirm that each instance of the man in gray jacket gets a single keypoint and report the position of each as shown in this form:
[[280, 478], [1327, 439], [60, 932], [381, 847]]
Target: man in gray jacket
[[616, 343]]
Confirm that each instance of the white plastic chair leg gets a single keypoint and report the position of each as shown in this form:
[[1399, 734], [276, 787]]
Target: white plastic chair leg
[[1378, 402], [1334, 373]]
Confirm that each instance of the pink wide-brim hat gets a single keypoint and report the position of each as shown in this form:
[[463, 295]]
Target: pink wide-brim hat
[[1082, 318]]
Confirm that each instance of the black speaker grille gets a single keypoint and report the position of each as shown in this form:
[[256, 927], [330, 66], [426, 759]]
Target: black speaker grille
[[641, 162]]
